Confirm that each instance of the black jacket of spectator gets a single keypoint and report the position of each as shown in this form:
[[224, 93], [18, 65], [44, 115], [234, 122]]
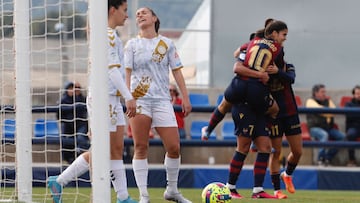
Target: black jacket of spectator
[[353, 120], [73, 113]]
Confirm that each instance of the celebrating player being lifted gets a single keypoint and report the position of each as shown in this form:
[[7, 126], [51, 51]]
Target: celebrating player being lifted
[[282, 76], [246, 92], [219, 113], [249, 113]]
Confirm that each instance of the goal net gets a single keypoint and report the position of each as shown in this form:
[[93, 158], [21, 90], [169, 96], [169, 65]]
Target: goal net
[[44, 56]]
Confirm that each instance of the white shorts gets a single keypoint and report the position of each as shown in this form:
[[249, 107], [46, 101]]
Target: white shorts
[[161, 112], [116, 112]]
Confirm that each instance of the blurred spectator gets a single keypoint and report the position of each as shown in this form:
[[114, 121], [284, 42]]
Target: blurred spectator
[[353, 123], [322, 126], [176, 100], [74, 124]]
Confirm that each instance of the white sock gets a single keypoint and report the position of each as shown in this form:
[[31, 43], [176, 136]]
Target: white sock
[[141, 170], [118, 179], [172, 173], [230, 186], [76, 169], [258, 189]]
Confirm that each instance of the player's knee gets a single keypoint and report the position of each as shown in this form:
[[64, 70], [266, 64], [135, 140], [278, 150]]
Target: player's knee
[[264, 147], [86, 156], [173, 151], [224, 106], [243, 147], [276, 154], [116, 152], [140, 150]]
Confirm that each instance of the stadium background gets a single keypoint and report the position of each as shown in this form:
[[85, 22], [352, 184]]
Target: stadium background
[[321, 43], [322, 40]]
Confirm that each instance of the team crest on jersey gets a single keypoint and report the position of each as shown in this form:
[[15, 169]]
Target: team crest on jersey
[[245, 131], [159, 52], [142, 88]]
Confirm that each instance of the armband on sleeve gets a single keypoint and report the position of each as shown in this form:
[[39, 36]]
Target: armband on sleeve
[[242, 56]]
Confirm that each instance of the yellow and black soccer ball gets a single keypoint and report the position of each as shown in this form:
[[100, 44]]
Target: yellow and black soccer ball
[[216, 192]]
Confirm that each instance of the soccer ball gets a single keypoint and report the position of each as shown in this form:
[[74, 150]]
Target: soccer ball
[[216, 193]]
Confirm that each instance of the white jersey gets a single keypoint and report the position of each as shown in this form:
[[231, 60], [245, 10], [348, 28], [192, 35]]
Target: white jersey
[[115, 58], [150, 61]]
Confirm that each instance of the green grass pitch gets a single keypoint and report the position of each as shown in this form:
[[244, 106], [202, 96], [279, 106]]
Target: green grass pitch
[[83, 195]]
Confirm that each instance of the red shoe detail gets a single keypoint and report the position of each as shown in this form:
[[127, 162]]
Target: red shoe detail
[[288, 182], [235, 195], [263, 195], [280, 195]]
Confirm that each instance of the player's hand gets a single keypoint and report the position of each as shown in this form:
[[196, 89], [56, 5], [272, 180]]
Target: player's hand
[[264, 77], [272, 69], [130, 108], [186, 107]]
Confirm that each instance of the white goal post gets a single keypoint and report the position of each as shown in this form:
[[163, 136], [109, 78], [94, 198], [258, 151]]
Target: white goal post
[[98, 83], [23, 156]]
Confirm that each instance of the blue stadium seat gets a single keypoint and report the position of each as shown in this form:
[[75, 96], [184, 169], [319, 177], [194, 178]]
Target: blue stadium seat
[[198, 99], [219, 99], [9, 129], [195, 130], [227, 130], [44, 128]]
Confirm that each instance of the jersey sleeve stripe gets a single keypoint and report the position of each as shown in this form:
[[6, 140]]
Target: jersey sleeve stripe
[[114, 66]]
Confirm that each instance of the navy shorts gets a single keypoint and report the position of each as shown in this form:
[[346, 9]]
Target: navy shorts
[[289, 126], [247, 122], [258, 96], [235, 92]]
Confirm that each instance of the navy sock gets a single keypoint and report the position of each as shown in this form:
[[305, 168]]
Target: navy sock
[[260, 166], [236, 165], [275, 179], [290, 168], [216, 118]]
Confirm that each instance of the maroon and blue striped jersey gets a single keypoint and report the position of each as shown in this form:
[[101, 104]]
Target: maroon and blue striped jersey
[[261, 53], [280, 85]]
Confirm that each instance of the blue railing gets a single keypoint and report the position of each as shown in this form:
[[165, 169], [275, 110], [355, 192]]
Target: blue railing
[[212, 143], [198, 109], [232, 143], [209, 143]]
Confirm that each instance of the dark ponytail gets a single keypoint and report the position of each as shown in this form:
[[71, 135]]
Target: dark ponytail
[[157, 23]]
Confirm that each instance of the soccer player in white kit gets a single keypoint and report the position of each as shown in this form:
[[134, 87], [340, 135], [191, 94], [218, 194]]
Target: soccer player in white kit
[[148, 59], [117, 14]]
